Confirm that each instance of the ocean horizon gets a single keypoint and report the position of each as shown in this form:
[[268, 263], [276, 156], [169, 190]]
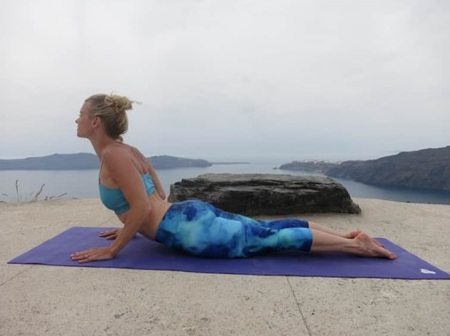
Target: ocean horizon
[[84, 183]]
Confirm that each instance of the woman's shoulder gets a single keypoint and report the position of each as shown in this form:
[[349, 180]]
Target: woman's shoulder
[[123, 155], [136, 151], [116, 154]]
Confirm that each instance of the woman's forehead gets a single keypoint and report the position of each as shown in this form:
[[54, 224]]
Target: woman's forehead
[[85, 107]]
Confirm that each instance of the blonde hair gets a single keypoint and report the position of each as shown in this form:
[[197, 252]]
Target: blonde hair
[[112, 110]]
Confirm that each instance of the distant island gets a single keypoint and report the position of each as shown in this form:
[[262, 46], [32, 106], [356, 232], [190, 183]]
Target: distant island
[[81, 161], [426, 169]]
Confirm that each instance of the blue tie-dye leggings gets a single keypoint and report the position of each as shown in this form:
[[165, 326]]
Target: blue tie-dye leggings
[[200, 229]]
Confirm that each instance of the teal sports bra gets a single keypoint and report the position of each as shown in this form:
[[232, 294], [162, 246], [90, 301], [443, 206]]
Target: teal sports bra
[[114, 199]]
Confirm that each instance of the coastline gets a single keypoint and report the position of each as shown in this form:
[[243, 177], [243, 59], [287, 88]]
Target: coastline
[[38, 300], [82, 184]]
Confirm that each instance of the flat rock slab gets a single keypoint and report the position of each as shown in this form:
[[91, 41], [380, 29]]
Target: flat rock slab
[[266, 194]]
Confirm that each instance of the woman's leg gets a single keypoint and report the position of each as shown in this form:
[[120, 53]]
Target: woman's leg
[[196, 228], [285, 223], [361, 245], [277, 224], [319, 227], [291, 234], [200, 229]]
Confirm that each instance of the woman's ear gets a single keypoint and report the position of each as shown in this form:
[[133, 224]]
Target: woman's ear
[[96, 121]]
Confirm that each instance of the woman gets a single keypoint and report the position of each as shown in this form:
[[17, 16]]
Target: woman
[[130, 186]]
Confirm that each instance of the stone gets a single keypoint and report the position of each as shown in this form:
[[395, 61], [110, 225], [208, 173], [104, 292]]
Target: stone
[[266, 194]]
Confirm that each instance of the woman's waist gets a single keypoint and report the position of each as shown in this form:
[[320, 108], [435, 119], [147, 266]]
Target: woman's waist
[[158, 209]]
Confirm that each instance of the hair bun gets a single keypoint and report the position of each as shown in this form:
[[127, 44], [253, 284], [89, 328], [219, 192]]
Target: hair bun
[[120, 104]]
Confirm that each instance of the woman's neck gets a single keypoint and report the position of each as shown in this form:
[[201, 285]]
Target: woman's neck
[[100, 143]]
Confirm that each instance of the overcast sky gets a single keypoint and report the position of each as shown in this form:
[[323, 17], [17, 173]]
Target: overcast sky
[[229, 79]]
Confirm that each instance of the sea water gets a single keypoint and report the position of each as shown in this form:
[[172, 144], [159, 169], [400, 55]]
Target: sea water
[[24, 185]]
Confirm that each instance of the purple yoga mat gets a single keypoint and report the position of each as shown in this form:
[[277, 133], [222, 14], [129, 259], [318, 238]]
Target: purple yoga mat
[[144, 254]]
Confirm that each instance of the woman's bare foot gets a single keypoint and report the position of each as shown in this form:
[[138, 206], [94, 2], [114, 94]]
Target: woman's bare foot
[[368, 247], [352, 234]]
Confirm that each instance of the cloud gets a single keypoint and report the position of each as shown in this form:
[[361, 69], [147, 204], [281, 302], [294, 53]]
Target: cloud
[[229, 78]]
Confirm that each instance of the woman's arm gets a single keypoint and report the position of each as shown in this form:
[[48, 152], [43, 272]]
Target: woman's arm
[[124, 172], [148, 166], [158, 186]]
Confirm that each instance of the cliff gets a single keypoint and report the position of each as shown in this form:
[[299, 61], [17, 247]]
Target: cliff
[[73, 301], [426, 168]]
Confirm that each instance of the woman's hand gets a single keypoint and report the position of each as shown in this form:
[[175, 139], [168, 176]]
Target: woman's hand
[[110, 234], [98, 253]]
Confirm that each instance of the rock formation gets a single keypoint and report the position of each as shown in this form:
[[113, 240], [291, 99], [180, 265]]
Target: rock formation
[[266, 194], [425, 169]]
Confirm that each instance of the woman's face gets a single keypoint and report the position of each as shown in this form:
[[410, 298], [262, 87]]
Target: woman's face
[[84, 122]]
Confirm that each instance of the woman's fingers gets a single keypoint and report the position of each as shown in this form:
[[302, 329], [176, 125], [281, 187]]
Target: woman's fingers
[[110, 234], [82, 256], [107, 233], [100, 253]]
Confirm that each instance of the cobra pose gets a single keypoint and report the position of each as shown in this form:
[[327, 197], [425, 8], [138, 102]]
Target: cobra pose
[[130, 187]]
